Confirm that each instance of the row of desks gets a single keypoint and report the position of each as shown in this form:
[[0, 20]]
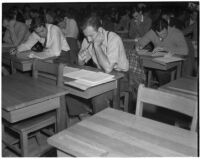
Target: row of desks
[[23, 97]]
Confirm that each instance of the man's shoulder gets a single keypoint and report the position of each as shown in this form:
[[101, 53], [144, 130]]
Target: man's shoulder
[[175, 31], [113, 36]]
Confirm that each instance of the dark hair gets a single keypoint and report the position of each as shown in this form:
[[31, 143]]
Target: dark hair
[[13, 14], [9, 15], [159, 25], [91, 20], [59, 18], [37, 22]]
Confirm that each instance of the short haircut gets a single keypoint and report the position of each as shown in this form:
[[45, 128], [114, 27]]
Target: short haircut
[[59, 18], [37, 22], [159, 25], [9, 15], [91, 20]]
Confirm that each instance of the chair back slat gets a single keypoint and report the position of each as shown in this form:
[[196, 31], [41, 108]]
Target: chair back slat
[[49, 71], [166, 100]]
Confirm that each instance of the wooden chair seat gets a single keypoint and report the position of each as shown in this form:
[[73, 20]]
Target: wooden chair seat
[[124, 100], [33, 124]]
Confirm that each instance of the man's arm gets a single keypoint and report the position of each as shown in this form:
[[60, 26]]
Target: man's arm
[[180, 45], [31, 41], [56, 43], [19, 36]]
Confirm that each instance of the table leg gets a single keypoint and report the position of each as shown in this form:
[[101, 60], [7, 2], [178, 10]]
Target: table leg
[[13, 69], [62, 116], [116, 96], [178, 72], [149, 78], [173, 74]]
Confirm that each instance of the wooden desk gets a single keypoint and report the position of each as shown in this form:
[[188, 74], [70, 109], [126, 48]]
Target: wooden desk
[[150, 64], [99, 89], [185, 86], [24, 97], [22, 64], [16, 63], [114, 133]]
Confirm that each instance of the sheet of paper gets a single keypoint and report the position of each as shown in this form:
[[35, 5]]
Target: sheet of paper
[[97, 78], [85, 79], [68, 69], [79, 74]]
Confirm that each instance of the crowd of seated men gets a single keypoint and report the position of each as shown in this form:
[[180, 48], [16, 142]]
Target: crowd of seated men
[[89, 36]]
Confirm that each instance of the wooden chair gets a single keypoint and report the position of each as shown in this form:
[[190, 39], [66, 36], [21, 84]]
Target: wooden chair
[[52, 73], [124, 100], [167, 100]]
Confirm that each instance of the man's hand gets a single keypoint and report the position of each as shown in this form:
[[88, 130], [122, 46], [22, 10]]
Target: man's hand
[[98, 40], [13, 51], [159, 49], [84, 55]]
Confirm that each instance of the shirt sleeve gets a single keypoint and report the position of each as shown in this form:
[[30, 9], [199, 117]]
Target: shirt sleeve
[[180, 45], [113, 49], [56, 42], [31, 41], [148, 37]]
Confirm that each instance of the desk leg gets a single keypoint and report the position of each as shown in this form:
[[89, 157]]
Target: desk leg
[[116, 96], [62, 122], [149, 78], [13, 69], [178, 72], [173, 74]]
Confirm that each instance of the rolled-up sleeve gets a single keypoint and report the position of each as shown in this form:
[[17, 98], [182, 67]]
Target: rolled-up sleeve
[[31, 41], [56, 42]]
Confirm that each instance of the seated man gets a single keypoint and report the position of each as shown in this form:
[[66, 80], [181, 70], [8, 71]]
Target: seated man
[[140, 24], [165, 38], [50, 36], [107, 52], [16, 31]]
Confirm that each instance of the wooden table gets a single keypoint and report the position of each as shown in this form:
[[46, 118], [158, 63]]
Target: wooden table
[[185, 86], [113, 133], [16, 63], [150, 64], [24, 97], [99, 89], [22, 64]]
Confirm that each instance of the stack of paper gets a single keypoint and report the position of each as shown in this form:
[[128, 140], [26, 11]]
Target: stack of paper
[[42, 55], [147, 53], [85, 79], [68, 69], [165, 60]]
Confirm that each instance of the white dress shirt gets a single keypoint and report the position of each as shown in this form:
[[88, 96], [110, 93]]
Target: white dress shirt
[[54, 44]]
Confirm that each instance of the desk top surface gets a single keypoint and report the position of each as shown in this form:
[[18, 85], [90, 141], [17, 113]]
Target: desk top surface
[[118, 134], [19, 90], [148, 62]]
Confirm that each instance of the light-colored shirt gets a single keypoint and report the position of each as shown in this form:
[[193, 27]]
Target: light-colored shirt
[[54, 44], [113, 48], [71, 29], [174, 42], [21, 31]]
